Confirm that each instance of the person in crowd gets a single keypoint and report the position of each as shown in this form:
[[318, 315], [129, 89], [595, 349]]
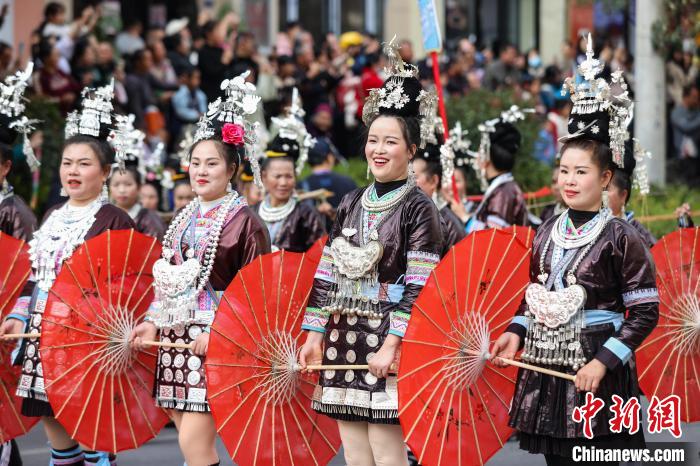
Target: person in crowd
[[216, 55], [129, 40], [149, 196], [503, 71], [124, 189], [182, 195], [189, 102], [141, 95], [54, 82], [685, 123]]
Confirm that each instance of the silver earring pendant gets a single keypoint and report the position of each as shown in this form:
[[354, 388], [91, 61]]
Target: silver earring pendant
[[623, 213], [229, 188], [5, 185], [606, 199], [411, 173], [368, 171], [104, 196], [63, 192]]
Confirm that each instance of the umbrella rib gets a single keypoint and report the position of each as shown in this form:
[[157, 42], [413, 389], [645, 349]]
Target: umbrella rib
[[140, 272], [138, 403], [432, 422], [483, 264], [12, 407], [262, 292], [469, 267], [423, 366], [12, 265], [126, 260], [651, 342], [488, 415], [77, 311], [99, 413], [238, 383], [247, 424], [302, 307], [697, 380], [430, 319], [303, 437], [68, 345], [506, 283], [496, 271], [79, 363], [221, 364], [20, 283], [250, 304], [437, 386], [665, 365], [459, 433], [495, 392], [286, 439], [235, 313], [126, 412], [279, 291], [76, 329], [675, 371], [260, 429], [294, 291], [450, 319], [215, 329], [444, 429], [93, 276], [315, 426], [455, 288], [518, 293], [137, 304], [425, 343], [670, 268], [476, 442], [75, 389], [109, 268], [500, 374]]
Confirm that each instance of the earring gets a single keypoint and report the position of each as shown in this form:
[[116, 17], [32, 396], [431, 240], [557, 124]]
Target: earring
[[411, 173], [623, 213], [5, 185], [606, 199], [104, 196], [368, 171], [63, 192], [229, 188]]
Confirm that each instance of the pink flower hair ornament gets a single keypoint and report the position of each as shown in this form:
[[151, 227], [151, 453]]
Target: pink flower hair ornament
[[232, 133]]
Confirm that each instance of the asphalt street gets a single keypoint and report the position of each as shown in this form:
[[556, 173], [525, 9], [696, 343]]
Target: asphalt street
[[164, 451]]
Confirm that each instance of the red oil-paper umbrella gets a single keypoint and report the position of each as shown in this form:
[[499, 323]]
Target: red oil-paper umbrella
[[453, 405], [525, 234], [99, 389], [669, 359], [14, 273], [260, 401]]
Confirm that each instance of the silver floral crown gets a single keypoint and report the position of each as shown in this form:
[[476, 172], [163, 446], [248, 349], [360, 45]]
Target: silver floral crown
[[640, 178], [591, 95], [126, 140], [455, 142], [291, 126], [96, 111], [240, 101], [392, 94], [12, 105], [511, 115]]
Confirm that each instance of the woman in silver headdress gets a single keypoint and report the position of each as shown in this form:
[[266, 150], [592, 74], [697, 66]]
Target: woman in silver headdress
[[384, 243], [592, 299], [85, 166], [206, 244]]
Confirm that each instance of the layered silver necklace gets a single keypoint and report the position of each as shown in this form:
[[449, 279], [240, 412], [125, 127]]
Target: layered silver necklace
[[178, 286], [553, 336], [276, 214], [58, 237]]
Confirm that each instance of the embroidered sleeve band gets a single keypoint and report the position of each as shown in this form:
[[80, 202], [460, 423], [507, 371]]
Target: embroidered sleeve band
[[398, 323], [325, 266], [315, 320], [420, 264], [640, 296], [619, 349]]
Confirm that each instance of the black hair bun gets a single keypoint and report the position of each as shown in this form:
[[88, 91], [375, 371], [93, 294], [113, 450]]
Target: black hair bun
[[630, 162], [7, 135], [506, 136], [411, 88]]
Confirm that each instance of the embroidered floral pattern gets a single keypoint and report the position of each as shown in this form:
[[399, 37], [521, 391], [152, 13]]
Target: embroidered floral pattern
[[398, 323], [315, 319], [640, 296], [324, 271], [420, 264]]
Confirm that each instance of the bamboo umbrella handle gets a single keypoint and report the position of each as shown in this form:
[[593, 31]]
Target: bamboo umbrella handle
[[17, 336], [168, 345], [339, 367], [543, 370]]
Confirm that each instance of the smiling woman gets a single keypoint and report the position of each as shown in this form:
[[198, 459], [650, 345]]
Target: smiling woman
[[384, 243], [207, 243]]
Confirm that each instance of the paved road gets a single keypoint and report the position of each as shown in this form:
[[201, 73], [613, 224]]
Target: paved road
[[164, 451]]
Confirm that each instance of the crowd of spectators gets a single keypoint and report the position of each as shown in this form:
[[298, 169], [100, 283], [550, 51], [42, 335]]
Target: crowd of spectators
[[165, 76]]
